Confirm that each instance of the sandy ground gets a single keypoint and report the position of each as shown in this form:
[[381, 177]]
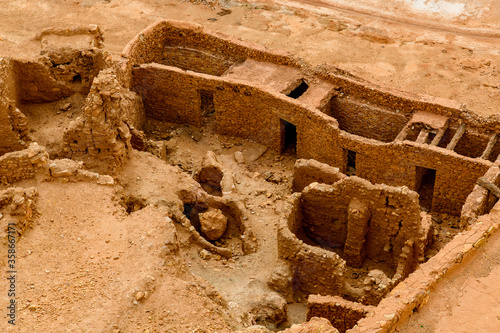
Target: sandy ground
[[408, 57], [85, 259]]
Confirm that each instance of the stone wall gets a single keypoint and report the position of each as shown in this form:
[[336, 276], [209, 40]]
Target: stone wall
[[396, 164], [154, 41], [315, 270], [22, 164], [412, 293], [341, 313], [306, 172], [367, 221]]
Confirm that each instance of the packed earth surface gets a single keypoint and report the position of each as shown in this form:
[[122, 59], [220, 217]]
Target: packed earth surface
[[179, 227]]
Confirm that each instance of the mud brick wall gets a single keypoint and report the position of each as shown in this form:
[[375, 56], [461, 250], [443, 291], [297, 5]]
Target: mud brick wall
[[394, 216], [341, 313], [170, 94], [366, 120], [59, 74], [315, 271], [306, 172], [412, 293], [22, 164]]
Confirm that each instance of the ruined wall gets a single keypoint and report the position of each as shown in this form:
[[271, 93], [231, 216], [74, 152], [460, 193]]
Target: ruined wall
[[22, 164], [306, 172], [367, 120], [341, 313], [315, 270], [101, 137], [392, 216], [70, 59]]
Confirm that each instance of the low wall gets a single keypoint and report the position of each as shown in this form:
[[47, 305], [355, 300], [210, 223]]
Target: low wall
[[22, 164], [341, 313]]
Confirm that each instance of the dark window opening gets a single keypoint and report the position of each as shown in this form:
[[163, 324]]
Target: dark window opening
[[207, 105], [426, 179], [288, 137], [299, 91], [351, 163]]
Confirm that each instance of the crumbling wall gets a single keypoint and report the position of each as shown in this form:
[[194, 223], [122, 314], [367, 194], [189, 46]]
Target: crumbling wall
[[341, 313], [391, 216], [71, 58], [315, 270], [412, 293], [101, 137], [306, 172], [22, 164]]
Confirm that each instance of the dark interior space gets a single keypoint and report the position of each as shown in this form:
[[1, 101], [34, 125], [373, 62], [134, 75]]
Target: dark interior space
[[351, 163], [426, 179], [299, 91], [207, 105], [471, 145], [288, 137]]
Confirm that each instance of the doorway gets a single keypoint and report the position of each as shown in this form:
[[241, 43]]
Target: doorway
[[288, 137], [351, 163], [425, 182]]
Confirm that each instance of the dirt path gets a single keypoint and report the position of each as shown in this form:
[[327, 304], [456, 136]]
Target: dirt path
[[410, 21]]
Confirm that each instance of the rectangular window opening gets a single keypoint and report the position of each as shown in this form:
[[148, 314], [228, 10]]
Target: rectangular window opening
[[207, 105], [288, 137], [425, 181], [351, 163], [299, 91]]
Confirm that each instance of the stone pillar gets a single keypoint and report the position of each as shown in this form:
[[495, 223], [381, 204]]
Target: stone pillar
[[357, 227]]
